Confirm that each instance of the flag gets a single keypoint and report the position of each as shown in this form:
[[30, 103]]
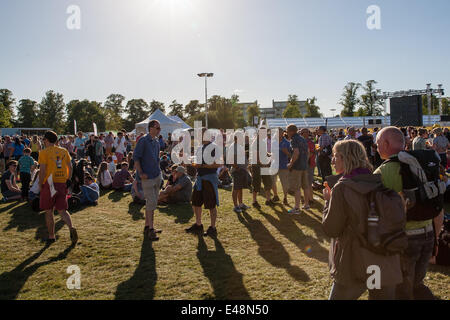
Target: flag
[[95, 128], [75, 126]]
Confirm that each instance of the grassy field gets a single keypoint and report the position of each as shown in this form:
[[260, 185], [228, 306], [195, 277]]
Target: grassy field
[[260, 254]]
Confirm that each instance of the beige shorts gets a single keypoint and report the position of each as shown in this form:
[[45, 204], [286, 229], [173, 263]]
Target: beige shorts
[[284, 178], [151, 188], [298, 179]]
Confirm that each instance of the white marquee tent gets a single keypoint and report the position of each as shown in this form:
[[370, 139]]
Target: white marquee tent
[[168, 124]]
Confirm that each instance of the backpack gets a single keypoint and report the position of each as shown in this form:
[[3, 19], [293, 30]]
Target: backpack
[[73, 202], [382, 225], [386, 222], [423, 189]]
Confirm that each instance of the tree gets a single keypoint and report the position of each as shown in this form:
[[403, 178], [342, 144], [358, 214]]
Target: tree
[[361, 112], [26, 113], [155, 105], [292, 111], [252, 111], [85, 113], [113, 110], [137, 110], [234, 99], [445, 107], [349, 99], [192, 108], [434, 105], [312, 111], [372, 104], [5, 117], [293, 100], [6, 98], [176, 109], [51, 111]]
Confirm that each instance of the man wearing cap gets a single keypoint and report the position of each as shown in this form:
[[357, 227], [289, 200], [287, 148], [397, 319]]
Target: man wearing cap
[[441, 144], [325, 150], [180, 191], [351, 134]]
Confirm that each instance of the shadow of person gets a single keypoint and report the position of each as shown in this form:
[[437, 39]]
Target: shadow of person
[[270, 249], [141, 285], [12, 282], [42, 232], [23, 218], [134, 209], [182, 212], [116, 196], [288, 228], [219, 268]]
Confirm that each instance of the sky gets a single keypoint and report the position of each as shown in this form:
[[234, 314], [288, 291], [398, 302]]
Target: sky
[[259, 49]]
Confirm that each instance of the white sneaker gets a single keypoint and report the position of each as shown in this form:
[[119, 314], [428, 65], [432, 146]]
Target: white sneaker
[[237, 210]]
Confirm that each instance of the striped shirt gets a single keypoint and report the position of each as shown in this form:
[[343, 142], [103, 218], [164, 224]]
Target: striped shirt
[[325, 140]]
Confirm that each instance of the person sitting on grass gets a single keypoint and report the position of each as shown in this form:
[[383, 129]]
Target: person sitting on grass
[[111, 166], [171, 178], [104, 177], [34, 190], [122, 179], [180, 191], [89, 192], [9, 188]]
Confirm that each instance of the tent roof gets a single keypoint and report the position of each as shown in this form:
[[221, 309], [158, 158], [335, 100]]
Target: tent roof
[[161, 117], [177, 119]]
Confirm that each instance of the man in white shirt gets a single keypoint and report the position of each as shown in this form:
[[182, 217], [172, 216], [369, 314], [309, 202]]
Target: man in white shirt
[[120, 145]]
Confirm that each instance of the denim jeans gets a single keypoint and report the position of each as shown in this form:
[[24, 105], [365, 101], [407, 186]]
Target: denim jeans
[[342, 292], [88, 195], [415, 264]]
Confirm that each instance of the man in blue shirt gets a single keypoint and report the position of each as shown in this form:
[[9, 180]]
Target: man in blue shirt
[[146, 161], [298, 166], [79, 144]]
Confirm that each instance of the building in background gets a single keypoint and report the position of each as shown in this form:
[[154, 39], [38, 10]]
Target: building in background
[[278, 108], [245, 105]]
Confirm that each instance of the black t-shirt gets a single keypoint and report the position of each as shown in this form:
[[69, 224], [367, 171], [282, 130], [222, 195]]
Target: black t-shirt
[[367, 141], [6, 176], [205, 171]]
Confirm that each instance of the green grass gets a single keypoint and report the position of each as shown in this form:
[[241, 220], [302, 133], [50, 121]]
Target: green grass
[[261, 254]]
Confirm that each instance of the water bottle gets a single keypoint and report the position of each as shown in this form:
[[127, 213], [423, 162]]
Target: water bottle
[[372, 226]]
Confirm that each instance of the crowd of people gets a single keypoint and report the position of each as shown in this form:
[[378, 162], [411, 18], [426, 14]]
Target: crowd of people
[[54, 171]]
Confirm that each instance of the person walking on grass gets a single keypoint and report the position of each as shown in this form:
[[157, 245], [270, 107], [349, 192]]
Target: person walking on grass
[[298, 167], [54, 176], [205, 192], [26, 165], [146, 161]]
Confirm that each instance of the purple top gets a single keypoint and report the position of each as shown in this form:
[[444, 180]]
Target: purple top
[[357, 172]]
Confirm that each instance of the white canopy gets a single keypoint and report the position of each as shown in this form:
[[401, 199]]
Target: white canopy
[[168, 124]]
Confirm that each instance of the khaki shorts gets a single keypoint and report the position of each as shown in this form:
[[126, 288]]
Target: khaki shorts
[[151, 189], [298, 179], [284, 179]]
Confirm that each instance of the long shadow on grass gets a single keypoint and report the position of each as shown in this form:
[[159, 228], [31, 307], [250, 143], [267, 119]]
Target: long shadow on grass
[[270, 249], [287, 227], [10, 206], [182, 212], [135, 210], [219, 268], [12, 282], [117, 196], [141, 286], [23, 218]]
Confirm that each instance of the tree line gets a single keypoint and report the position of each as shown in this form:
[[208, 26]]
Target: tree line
[[114, 114], [369, 103]]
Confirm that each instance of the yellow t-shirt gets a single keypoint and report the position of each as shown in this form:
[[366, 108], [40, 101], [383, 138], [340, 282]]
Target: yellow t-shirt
[[57, 161]]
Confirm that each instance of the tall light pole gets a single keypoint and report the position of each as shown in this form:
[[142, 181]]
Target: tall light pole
[[206, 76]]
